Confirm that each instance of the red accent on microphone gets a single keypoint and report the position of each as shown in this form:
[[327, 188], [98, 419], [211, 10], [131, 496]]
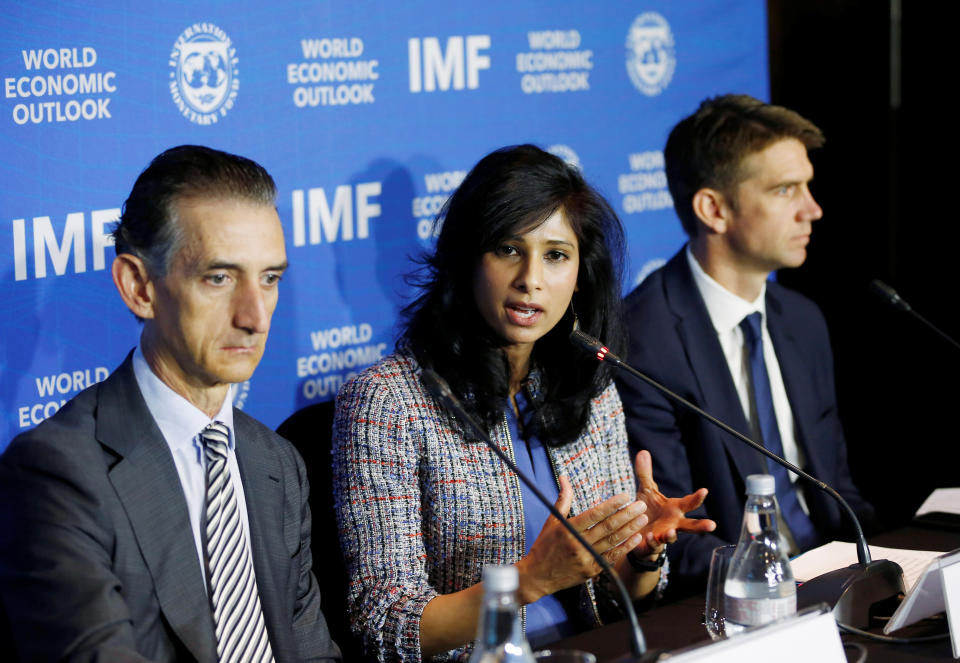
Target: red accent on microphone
[[602, 353]]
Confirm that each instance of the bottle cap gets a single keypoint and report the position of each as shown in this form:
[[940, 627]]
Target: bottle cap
[[500, 578], [761, 484]]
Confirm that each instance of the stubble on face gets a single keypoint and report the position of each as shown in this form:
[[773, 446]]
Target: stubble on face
[[772, 209]]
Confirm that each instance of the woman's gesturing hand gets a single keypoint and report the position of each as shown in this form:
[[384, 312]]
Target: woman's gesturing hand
[[668, 515], [557, 560]]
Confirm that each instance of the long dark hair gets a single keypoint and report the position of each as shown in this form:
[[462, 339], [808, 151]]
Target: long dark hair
[[512, 191]]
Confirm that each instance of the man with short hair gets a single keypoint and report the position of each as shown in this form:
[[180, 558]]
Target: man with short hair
[[149, 519], [710, 326]]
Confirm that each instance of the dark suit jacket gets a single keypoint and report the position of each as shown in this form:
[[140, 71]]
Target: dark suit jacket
[[97, 556], [673, 341]]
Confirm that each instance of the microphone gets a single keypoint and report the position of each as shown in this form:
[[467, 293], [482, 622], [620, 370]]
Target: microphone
[[851, 591], [889, 295], [440, 390]]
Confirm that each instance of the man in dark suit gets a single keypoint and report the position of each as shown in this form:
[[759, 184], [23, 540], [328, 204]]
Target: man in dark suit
[[710, 326], [148, 519]]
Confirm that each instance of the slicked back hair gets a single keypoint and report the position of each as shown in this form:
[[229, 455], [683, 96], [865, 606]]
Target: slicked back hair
[[707, 149], [148, 227]]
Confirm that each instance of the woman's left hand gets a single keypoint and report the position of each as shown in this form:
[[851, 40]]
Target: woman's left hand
[[667, 514]]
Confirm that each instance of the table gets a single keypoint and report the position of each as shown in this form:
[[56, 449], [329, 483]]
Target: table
[[676, 625]]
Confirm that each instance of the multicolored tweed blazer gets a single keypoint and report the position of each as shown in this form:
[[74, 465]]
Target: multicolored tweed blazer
[[422, 510]]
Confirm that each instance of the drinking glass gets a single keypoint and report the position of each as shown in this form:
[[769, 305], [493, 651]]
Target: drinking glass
[[713, 614]]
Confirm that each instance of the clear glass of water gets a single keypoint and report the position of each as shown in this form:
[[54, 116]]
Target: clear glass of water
[[713, 615]]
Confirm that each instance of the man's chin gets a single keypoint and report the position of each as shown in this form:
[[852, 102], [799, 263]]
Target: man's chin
[[793, 259], [798, 260], [237, 370]]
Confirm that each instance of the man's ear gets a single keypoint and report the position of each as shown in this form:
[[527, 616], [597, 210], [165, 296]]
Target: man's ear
[[712, 209], [134, 284]]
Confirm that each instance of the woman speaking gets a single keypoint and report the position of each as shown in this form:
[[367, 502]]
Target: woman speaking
[[527, 249]]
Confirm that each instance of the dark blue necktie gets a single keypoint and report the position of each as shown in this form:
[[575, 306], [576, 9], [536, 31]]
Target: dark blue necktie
[[801, 527]]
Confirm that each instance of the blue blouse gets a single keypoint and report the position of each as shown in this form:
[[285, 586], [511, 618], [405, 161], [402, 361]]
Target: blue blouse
[[547, 619]]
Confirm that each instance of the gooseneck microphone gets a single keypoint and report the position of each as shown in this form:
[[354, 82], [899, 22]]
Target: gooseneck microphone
[[440, 390], [851, 591], [890, 296], [592, 345]]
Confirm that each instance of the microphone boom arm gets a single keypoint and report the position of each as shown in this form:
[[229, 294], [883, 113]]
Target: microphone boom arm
[[889, 295], [592, 345]]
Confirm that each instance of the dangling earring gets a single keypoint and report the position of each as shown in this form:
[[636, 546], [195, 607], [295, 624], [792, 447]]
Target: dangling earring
[[576, 320]]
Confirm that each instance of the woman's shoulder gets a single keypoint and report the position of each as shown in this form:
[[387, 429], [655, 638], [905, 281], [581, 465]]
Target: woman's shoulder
[[396, 365], [396, 373], [604, 418], [607, 403]]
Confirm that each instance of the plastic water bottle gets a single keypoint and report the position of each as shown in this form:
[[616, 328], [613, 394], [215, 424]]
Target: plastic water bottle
[[500, 635], [759, 587]]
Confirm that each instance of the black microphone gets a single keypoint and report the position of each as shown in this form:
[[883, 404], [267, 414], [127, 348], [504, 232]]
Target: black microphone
[[889, 295], [440, 390], [851, 591]]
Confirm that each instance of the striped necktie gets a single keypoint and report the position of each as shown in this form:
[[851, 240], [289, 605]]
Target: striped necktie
[[234, 599]]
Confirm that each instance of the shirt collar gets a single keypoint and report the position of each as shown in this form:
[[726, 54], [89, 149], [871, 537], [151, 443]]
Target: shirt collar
[[726, 309], [179, 420]]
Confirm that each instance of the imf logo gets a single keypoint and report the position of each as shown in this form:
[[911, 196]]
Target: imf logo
[[203, 75], [650, 53]]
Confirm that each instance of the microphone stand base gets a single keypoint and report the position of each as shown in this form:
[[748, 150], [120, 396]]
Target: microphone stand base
[[854, 591]]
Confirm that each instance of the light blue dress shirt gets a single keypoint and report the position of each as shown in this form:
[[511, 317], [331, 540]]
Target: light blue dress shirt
[[180, 423]]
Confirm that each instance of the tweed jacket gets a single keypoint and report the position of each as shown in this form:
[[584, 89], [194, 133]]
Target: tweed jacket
[[422, 510]]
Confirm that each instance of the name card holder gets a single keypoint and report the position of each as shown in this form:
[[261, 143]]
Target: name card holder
[[938, 589], [810, 635]]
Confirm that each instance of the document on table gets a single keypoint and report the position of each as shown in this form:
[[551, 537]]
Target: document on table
[[837, 554], [942, 500]]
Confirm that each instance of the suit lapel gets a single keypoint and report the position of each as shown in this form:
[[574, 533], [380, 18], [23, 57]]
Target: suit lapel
[[718, 394], [261, 473], [148, 486]]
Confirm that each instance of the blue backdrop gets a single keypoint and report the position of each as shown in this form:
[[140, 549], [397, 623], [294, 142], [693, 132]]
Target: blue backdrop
[[367, 114]]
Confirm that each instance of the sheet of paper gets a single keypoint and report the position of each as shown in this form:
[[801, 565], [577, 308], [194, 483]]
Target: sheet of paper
[[837, 554], [945, 500]]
